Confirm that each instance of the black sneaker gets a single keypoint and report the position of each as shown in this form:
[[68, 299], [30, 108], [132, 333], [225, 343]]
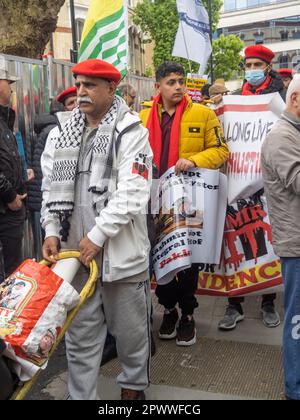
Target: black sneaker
[[186, 331], [231, 318], [270, 316], [131, 394], [167, 329]]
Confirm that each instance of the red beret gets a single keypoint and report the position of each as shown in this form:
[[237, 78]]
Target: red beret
[[97, 68], [286, 72], [72, 91], [259, 51]]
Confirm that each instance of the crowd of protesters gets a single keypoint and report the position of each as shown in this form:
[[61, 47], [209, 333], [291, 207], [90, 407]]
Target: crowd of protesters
[[93, 163]]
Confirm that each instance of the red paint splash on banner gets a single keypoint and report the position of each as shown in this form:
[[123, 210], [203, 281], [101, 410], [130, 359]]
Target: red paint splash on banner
[[245, 226], [244, 163]]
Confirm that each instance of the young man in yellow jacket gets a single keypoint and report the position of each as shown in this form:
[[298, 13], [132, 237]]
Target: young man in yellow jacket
[[185, 135]]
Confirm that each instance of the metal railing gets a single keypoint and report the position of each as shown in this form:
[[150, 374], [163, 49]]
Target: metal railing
[[39, 82]]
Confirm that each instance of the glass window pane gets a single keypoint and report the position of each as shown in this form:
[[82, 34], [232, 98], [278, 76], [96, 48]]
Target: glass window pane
[[252, 3], [241, 4], [229, 5]]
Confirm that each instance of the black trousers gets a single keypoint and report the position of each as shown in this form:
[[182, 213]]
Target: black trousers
[[12, 248], [6, 379], [240, 299], [180, 290], [2, 272]]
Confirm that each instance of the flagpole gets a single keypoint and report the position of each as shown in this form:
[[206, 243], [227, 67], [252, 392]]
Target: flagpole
[[210, 37], [186, 48], [73, 26]]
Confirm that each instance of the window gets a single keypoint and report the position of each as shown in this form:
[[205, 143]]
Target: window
[[259, 37], [265, 2], [284, 35], [241, 4], [229, 5], [252, 3], [284, 61], [296, 34]]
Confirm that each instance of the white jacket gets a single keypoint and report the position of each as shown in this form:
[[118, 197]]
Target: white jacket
[[121, 226]]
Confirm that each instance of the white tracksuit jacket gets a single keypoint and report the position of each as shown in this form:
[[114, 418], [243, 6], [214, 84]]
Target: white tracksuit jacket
[[121, 226]]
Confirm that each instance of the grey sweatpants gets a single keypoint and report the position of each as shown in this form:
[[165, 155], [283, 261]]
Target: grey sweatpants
[[123, 308]]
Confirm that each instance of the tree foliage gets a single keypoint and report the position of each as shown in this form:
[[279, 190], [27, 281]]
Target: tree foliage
[[158, 20], [26, 25], [226, 56]]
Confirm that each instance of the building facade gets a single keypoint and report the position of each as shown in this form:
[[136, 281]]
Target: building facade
[[274, 23], [140, 54]]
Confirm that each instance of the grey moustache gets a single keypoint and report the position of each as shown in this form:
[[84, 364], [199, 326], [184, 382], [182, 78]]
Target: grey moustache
[[85, 99]]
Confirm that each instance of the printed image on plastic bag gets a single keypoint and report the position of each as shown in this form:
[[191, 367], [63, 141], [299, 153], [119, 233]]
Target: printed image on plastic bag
[[34, 302]]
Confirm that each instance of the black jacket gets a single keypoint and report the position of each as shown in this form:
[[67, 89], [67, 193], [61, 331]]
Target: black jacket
[[11, 166], [276, 85], [2, 274], [42, 126]]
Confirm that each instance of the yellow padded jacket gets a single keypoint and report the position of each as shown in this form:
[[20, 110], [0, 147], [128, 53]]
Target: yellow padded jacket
[[201, 138]]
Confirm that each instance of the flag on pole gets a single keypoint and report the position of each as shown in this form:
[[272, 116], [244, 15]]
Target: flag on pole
[[105, 33], [192, 38]]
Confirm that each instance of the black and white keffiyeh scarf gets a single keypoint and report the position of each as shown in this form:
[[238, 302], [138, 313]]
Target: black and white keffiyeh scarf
[[62, 193]]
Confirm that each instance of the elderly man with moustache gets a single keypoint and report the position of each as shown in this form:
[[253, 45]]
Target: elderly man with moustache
[[96, 201], [281, 172]]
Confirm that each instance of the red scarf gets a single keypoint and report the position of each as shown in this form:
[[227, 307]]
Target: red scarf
[[246, 88], [155, 137]]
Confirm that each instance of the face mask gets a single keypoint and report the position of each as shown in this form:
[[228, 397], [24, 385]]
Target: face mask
[[255, 77]]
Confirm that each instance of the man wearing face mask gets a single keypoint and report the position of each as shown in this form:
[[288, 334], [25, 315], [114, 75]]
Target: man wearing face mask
[[260, 79]]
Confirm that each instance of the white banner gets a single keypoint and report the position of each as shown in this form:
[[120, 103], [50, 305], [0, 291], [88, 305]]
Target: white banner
[[192, 38], [189, 216], [249, 264], [246, 122]]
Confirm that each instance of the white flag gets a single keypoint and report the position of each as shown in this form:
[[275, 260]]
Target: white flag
[[192, 39]]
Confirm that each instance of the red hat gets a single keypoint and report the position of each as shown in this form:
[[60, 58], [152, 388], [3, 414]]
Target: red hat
[[286, 72], [72, 91], [259, 51], [97, 68]]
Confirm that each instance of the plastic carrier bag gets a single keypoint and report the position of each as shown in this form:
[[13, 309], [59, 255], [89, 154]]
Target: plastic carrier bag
[[34, 302]]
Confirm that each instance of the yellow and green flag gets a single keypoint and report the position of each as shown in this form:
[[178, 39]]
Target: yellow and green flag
[[105, 33]]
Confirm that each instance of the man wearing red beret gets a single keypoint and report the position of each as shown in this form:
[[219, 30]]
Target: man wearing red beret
[[286, 76], [68, 98], [95, 200], [260, 79], [47, 127]]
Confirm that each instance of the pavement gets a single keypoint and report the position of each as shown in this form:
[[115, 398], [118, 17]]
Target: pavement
[[245, 363]]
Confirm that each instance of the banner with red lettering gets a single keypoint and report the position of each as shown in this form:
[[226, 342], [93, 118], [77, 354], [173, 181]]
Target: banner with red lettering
[[246, 122], [249, 264], [189, 213]]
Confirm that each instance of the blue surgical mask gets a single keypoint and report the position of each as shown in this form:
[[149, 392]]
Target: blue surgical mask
[[255, 77]]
